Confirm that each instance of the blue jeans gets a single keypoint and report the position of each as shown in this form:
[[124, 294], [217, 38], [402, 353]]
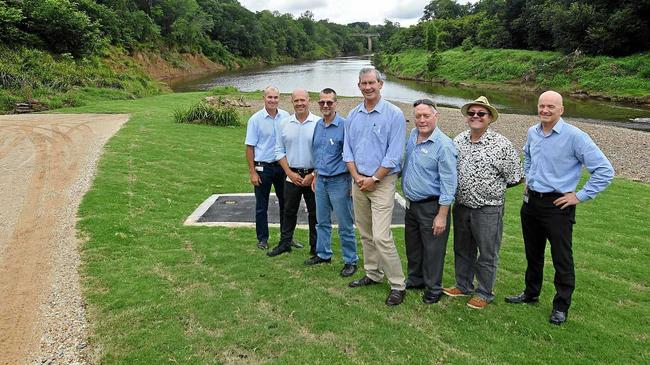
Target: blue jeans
[[333, 193], [273, 175]]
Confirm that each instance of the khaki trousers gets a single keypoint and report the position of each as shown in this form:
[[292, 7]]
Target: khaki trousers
[[373, 213]]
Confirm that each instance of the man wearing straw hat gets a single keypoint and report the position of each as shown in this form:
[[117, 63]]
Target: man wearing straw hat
[[487, 164]]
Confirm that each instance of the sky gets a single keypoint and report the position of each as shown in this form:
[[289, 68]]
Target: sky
[[405, 12]]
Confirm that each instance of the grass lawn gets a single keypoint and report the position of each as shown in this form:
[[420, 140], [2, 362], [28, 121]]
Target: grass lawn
[[159, 292]]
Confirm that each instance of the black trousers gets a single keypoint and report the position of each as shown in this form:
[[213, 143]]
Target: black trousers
[[541, 220], [292, 195]]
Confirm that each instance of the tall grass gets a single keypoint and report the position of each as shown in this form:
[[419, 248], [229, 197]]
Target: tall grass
[[64, 81], [625, 77], [203, 113]]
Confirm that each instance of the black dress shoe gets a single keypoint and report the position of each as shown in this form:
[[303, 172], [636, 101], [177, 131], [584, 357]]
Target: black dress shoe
[[364, 281], [415, 287], [396, 297], [263, 245], [348, 270], [315, 260], [279, 249], [430, 297], [558, 317], [521, 298]]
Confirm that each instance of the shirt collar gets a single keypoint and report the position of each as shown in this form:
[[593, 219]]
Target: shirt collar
[[557, 128], [335, 121], [310, 118], [487, 135], [379, 108]]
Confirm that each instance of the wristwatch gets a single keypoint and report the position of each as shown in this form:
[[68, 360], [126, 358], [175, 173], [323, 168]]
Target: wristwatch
[[375, 179]]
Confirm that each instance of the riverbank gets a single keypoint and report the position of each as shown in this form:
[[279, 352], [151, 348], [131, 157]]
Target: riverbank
[[624, 79]]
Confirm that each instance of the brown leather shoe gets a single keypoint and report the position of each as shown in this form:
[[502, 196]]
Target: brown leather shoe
[[364, 281], [396, 297]]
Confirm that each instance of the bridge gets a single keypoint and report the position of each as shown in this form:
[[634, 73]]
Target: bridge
[[369, 36]]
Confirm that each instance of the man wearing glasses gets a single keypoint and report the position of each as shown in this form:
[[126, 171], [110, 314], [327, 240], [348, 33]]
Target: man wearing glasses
[[294, 137], [429, 184], [487, 164], [332, 184], [263, 167], [373, 148]]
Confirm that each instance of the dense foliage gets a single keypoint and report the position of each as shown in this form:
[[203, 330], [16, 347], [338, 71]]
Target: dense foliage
[[220, 29], [206, 114], [595, 27]]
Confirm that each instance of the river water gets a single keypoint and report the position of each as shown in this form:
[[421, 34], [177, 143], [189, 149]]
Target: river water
[[341, 74]]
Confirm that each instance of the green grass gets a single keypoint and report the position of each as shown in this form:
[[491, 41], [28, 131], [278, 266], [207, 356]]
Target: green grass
[[625, 77], [159, 292]]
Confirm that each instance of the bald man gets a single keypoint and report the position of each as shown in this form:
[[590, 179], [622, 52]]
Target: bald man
[[294, 153], [554, 154]]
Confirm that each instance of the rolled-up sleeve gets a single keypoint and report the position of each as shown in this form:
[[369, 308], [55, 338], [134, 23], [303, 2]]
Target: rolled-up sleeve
[[448, 174], [597, 164], [280, 149]]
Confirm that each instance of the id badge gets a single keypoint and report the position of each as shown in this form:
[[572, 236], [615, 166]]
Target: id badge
[[407, 203], [259, 168], [526, 197]]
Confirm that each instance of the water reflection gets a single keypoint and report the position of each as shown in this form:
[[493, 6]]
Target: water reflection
[[341, 74]]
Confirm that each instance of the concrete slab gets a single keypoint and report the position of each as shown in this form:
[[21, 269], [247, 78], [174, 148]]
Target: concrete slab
[[238, 210]]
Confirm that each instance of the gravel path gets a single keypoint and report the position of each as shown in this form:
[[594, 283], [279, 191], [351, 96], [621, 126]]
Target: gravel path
[[47, 162]]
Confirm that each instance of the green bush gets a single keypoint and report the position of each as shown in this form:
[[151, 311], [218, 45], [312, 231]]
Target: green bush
[[203, 113], [223, 90]]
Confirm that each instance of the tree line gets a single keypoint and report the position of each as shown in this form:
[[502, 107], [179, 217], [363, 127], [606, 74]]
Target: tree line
[[594, 27], [223, 30]]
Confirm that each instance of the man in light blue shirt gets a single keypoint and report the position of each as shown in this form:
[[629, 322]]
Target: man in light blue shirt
[[373, 148], [429, 184], [554, 153], [332, 184], [263, 167], [293, 151]]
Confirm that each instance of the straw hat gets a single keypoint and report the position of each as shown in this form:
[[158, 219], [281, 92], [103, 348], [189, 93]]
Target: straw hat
[[481, 101]]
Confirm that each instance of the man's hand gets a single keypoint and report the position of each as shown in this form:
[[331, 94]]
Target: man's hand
[[255, 178], [368, 184], [295, 178], [307, 180], [439, 224], [567, 200], [313, 184], [358, 179]]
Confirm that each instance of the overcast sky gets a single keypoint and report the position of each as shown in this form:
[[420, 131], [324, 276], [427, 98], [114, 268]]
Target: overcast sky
[[405, 12]]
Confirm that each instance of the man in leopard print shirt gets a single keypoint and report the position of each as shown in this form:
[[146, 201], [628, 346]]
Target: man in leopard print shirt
[[487, 164]]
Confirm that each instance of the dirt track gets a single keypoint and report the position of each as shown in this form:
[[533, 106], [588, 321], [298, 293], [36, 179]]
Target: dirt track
[[46, 165]]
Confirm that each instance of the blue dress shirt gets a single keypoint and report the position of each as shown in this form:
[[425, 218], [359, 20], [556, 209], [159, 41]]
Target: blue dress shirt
[[293, 140], [260, 133], [430, 168], [552, 163], [327, 147], [376, 138]]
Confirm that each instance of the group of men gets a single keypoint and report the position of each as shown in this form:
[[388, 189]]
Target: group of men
[[350, 166]]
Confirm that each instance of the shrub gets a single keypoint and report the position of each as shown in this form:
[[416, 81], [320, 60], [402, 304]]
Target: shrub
[[203, 113], [223, 90]]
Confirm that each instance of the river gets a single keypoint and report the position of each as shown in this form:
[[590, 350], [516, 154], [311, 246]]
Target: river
[[341, 74]]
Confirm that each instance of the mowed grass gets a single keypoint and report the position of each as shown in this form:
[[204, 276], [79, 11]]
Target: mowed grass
[[159, 292]]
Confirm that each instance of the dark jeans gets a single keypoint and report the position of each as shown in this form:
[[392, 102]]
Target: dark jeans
[[424, 251], [542, 220], [477, 239], [272, 175], [292, 195]]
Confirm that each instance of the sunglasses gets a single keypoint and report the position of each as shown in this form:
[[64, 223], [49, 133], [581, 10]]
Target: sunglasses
[[425, 102], [480, 114], [326, 102]]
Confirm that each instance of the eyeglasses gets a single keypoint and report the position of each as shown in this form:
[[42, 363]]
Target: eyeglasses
[[480, 114], [425, 102], [326, 102]]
